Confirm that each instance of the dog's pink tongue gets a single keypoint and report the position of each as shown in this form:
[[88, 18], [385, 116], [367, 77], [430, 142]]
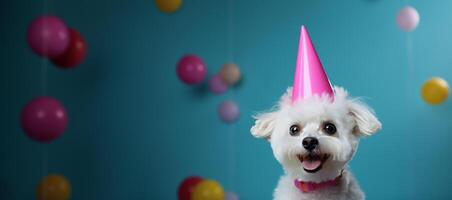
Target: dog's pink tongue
[[311, 165]]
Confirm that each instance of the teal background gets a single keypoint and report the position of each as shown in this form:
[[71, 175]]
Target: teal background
[[135, 131]]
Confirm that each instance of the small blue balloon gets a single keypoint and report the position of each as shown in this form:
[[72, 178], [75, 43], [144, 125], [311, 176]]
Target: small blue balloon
[[228, 111]]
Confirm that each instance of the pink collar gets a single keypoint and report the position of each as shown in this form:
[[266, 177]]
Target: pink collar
[[311, 186]]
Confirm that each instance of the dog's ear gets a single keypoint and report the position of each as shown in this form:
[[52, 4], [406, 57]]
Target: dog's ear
[[264, 125], [366, 121], [265, 122]]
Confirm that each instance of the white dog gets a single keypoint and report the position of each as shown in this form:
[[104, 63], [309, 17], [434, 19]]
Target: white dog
[[314, 139]]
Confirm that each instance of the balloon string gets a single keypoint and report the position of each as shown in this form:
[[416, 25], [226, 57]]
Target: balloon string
[[44, 60], [409, 47], [45, 162], [231, 151], [409, 86], [44, 77], [44, 67], [232, 129], [231, 30]]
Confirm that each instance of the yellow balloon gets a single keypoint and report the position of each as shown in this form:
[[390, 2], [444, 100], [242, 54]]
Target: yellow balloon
[[53, 187], [168, 6], [435, 91], [208, 190], [230, 73]]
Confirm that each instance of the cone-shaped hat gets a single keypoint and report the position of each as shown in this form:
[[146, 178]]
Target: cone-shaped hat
[[310, 78]]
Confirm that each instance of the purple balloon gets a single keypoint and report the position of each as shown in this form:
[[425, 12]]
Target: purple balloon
[[48, 36], [191, 69], [228, 111], [43, 119], [231, 196], [216, 85]]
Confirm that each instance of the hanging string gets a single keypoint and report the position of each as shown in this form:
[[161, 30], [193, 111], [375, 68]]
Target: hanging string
[[232, 128], [44, 77], [410, 62], [231, 30], [410, 82], [409, 51], [44, 60], [44, 66], [45, 161]]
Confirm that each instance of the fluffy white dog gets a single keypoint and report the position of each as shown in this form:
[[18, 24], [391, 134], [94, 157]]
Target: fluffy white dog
[[314, 139]]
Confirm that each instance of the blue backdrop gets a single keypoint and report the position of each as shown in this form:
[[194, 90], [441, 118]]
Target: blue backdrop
[[135, 131]]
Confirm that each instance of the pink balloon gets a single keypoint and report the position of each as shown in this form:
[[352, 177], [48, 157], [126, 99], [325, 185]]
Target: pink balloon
[[408, 18], [48, 36], [228, 111], [191, 69], [43, 119], [231, 196], [216, 85]]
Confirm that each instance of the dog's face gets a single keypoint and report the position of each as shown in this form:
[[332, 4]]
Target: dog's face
[[313, 139]]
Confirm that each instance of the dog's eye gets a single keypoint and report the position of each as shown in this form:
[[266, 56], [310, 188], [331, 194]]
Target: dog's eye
[[329, 128], [294, 130]]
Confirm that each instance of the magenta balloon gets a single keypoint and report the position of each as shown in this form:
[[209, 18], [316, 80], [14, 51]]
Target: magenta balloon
[[216, 85], [48, 36], [228, 111], [191, 69], [43, 119]]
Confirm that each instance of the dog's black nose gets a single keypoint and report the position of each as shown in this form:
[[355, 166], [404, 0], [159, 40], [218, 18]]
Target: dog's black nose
[[310, 143]]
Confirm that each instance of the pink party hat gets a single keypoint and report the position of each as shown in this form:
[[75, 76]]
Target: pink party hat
[[310, 78]]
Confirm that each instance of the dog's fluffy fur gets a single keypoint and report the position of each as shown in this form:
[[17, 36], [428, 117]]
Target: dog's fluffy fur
[[352, 119]]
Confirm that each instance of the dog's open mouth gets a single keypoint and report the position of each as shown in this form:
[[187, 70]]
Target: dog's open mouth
[[312, 163]]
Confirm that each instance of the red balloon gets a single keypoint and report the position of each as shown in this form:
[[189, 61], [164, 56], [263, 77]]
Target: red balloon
[[44, 119], [75, 52], [187, 186]]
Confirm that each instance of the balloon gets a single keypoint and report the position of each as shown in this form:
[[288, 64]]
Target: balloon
[[407, 18], [75, 52], [187, 186], [168, 6], [228, 111], [43, 119], [48, 36], [231, 196], [216, 85], [230, 73], [435, 91], [53, 187], [208, 190], [191, 69]]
